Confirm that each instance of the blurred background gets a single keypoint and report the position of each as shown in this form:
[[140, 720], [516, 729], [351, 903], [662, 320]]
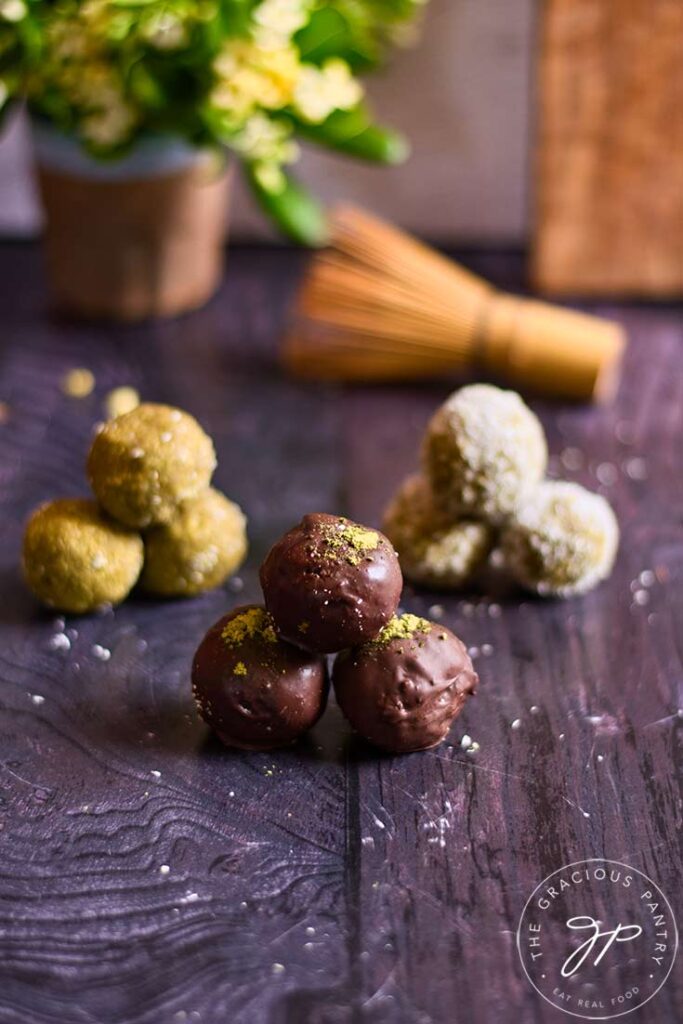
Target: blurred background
[[462, 95]]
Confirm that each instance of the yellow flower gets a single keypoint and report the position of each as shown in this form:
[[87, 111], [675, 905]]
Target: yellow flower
[[12, 10], [280, 19], [262, 139], [68, 42], [320, 91], [251, 76], [165, 31], [108, 128], [229, 101]]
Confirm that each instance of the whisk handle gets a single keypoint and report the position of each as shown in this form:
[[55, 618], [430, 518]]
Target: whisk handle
[[551, 349]]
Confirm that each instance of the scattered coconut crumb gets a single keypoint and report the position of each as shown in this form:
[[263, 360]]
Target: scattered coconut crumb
[[572, 458], [59, 642], [37, 698], [164, 869], [636, 469], [607, 474], [78, 383], [120, 401], [517, 724], [103, 653], [469, 745]]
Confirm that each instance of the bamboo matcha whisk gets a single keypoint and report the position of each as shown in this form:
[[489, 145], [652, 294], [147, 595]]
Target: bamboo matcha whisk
[[377, 305]]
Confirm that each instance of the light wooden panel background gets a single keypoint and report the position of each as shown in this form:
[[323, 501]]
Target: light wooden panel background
[[463, 97], [610, 154]]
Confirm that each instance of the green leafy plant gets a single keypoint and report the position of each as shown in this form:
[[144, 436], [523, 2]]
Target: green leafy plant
[[247, 75]]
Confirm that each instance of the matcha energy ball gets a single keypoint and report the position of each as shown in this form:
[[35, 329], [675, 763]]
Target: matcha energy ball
[[484, 451], [562, 541], [75, 559], [433, 549], [203, 544], [143, 464]]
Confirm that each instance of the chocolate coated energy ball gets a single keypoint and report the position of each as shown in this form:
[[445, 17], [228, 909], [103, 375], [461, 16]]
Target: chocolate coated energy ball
[[75, 559], [143, 464], [330, 583], [483, 452], [562, 541], [402, 690], [434, 549], [254, 690], [203, 544]]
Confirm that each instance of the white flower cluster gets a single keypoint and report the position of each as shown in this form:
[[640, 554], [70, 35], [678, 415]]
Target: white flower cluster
[[266, 72], [94, 67]]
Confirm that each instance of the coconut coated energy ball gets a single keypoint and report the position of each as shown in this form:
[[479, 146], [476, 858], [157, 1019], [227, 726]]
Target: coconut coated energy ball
[[484, 451], [143, 464], [203, 544], [432, 549], [562, 541], [75, 559]]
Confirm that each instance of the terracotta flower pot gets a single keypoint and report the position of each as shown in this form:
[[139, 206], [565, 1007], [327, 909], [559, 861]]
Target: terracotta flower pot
[[135, 238]]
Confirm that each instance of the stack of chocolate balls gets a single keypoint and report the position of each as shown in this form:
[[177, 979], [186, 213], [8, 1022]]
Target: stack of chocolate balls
[[155, 518], [330, 585], [482, 485]]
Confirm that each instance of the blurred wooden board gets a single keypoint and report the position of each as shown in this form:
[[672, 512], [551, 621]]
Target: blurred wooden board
[[609, 190]]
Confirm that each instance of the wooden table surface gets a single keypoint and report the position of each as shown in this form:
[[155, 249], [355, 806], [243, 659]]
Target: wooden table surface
[[147, 875]]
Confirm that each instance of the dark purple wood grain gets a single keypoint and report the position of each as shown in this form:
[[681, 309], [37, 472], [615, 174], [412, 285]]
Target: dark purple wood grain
[[323, 884]]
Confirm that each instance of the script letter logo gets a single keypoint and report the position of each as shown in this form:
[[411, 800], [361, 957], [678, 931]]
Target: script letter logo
[[622, 933]]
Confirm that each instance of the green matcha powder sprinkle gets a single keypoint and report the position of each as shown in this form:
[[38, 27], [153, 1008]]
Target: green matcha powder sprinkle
[[401, 627], [350, 542], [252, 624]]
